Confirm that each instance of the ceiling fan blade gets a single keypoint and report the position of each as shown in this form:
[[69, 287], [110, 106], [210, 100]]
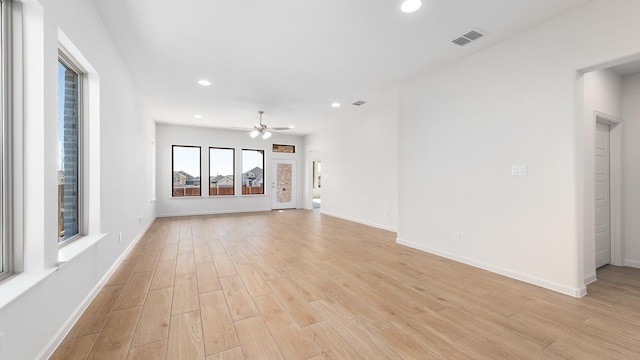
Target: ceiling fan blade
[[263, 129]]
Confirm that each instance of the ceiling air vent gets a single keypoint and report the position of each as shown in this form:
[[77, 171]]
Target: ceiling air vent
[[359, 103], [468, 37], [461, 41]]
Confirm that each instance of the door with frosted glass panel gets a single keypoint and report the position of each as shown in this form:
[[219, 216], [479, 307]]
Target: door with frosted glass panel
[[283, 184]]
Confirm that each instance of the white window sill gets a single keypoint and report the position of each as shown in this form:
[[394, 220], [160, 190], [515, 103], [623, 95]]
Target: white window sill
[[186, 197], [221, 196], [18, 284], [77, 247]]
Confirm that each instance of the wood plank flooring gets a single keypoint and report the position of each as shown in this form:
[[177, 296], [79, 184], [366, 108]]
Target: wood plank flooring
[[300, 285]]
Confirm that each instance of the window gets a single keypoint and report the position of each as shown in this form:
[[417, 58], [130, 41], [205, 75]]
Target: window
[[69, 154], [221, 171], [186, 171], [291, 149], [252, 172]]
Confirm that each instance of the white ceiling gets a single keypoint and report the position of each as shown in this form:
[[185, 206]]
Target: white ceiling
[[292, 59]]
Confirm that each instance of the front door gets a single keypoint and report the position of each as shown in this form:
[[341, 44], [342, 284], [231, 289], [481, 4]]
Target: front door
[[283, 185]]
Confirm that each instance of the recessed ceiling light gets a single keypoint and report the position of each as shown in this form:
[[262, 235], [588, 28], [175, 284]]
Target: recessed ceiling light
[[197, 116], [336, 104], [410, 6], [204, 82]]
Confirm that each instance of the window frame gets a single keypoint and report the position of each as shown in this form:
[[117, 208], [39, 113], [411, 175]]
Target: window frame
[[199, 167], [233, 171], [263, 152], [70, 63], [6, 263]]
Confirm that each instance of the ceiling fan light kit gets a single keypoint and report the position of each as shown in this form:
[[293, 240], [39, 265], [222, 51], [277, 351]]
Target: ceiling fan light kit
[[409, 6], [261, 129]]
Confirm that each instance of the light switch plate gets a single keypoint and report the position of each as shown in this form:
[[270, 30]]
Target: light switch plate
[[519, 170]]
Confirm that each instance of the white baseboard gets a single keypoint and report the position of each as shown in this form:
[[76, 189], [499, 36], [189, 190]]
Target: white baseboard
[[632, 263], [574, 292], [589, 279], [360, 221], [214, 212], [64, 330]]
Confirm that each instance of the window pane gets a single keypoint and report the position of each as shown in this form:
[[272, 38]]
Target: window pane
[[186, 171], [252, 172], [68, 147], [221, 170]]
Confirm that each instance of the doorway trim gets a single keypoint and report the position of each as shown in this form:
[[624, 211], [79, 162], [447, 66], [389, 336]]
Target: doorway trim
[[615, 178], [312, 155]]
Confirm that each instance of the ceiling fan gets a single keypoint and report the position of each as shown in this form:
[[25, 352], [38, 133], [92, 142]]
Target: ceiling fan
[[261, 129]]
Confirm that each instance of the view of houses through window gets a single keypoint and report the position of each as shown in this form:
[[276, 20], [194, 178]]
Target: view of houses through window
[[68, 151], [186, 167], [186, 171], [252, 172], [221, 170]]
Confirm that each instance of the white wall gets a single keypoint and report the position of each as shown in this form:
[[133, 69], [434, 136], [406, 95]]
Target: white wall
[[360, 168], [35, 321], [631, 167], [464, 126], [168, 135], [602, 95], [603, 92]]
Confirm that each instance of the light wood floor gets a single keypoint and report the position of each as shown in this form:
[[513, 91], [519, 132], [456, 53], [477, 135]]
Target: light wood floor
[[299, 285]]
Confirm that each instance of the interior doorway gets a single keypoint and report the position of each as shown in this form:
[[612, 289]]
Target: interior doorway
[[604, 102], [608, 135], [316, 198]]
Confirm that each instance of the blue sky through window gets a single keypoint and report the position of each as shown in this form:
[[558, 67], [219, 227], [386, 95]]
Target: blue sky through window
[[61, 71], [251, 159], [221, 162], [187, 159]]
